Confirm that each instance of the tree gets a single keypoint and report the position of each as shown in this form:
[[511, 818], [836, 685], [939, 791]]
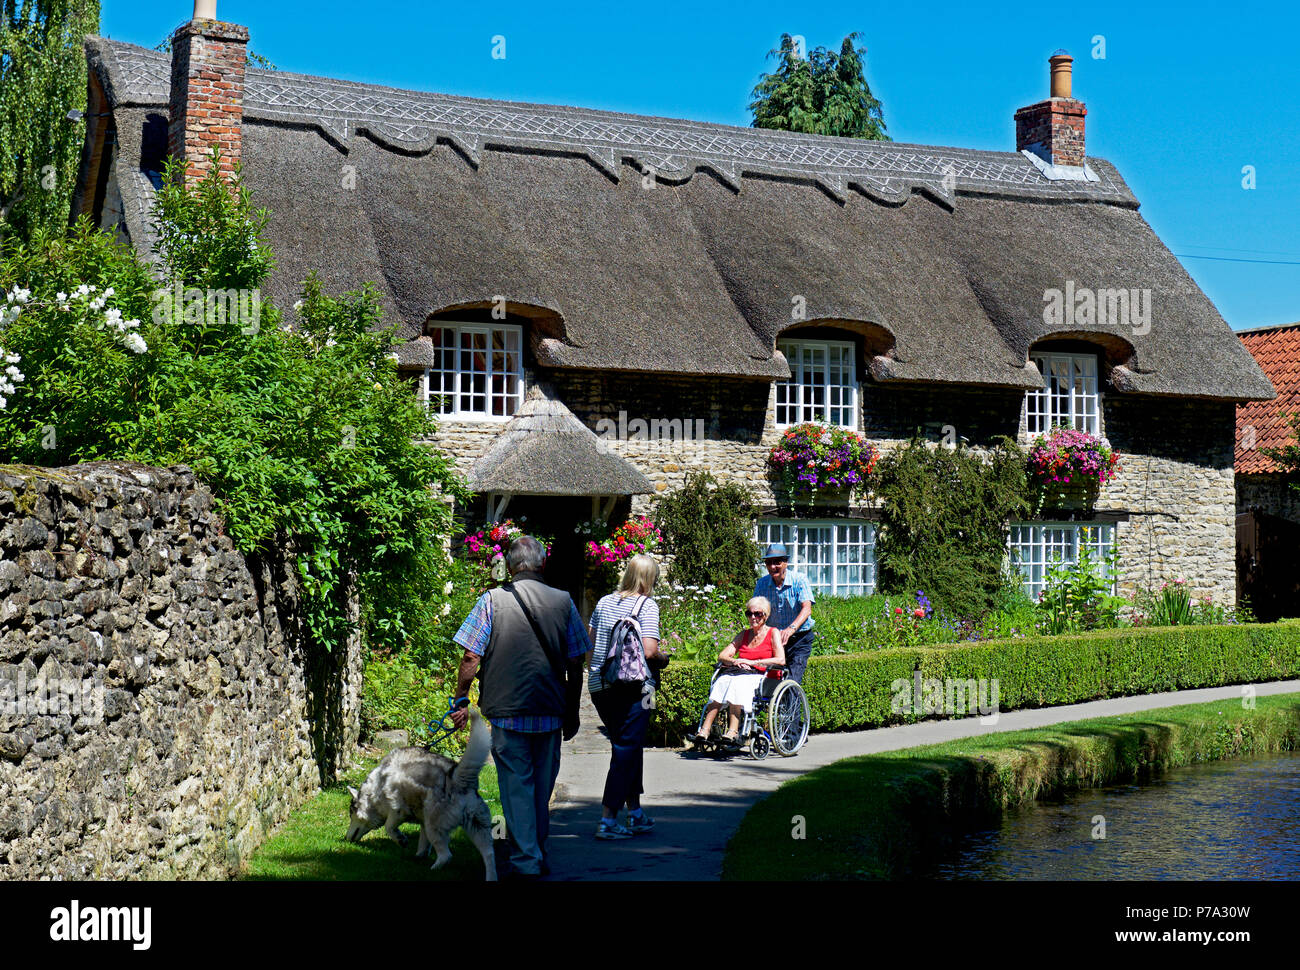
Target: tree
[[826, 94], [42, 79]]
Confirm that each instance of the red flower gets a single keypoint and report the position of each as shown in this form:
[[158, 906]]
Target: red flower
[[898, 610]]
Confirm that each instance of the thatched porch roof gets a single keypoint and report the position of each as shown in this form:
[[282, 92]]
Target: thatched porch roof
[[545, 450]]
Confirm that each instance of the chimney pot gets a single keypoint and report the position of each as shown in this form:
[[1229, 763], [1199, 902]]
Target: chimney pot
[[1062, 70], [205, 9]]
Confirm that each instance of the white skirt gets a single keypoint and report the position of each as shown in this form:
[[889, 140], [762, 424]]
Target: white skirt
[[736, 689]]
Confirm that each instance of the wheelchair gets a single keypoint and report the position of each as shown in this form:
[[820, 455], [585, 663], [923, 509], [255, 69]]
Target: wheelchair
[[779, 719]]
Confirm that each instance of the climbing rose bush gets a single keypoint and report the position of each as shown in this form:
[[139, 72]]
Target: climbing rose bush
[[813, 457], [1066, 456]]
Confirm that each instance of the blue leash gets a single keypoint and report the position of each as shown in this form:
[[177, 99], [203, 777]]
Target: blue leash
[[446, 727]]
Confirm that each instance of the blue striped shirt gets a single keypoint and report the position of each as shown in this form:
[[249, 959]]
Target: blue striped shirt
[[474, 634], [786, 599]]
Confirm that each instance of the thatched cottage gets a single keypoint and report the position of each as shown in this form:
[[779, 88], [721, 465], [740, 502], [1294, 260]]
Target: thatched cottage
[[573, 285]]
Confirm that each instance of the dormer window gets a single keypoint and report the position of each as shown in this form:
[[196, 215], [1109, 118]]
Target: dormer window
[[823, 384], [477, 372], [1069, 396]]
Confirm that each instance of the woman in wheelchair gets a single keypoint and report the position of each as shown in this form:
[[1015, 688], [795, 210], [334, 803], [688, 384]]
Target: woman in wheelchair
[[744, 662]]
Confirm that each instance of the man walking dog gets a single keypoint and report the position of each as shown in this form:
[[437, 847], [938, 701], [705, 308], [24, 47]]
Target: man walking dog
[[526, 642], [792, 599]]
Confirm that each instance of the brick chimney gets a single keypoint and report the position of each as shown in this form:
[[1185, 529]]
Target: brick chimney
[[207, 95], [1053, 129]]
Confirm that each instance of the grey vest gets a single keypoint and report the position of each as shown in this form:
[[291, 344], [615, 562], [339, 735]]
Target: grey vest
[[519, 676]]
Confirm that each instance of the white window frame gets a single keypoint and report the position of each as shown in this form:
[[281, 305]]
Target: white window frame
[[512, 341], [797, 534], [1069, 396], [791, 393], [1032, 548]]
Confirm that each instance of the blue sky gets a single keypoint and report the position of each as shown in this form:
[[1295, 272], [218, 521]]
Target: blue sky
[[1186, 96]]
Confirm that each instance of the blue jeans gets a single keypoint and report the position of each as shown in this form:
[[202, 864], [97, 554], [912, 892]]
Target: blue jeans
[[627, 719], [797, 652], [527, 764]]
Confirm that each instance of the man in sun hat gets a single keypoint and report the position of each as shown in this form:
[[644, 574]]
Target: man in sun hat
[[792, 599]]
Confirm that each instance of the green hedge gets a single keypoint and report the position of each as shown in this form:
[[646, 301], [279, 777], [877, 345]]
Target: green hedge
[[853, 692]]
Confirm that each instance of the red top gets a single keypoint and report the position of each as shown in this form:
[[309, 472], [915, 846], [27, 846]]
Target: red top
[[764, 650]]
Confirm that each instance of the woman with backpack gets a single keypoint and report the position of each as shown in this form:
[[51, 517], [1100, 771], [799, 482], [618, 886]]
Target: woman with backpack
[[625, 656]]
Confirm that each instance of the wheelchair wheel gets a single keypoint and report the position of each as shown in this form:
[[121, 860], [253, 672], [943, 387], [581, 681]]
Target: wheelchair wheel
[[759, 747], [788, 718]]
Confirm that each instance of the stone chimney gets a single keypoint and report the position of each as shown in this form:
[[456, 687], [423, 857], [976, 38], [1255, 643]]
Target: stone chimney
[[1053, 129], [207, 94]]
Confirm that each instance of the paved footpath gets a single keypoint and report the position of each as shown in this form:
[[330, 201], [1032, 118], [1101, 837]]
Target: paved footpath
[[698, 802]]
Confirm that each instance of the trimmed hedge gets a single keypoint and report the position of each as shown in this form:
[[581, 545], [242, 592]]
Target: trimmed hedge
[[895, 814], [853, 692]]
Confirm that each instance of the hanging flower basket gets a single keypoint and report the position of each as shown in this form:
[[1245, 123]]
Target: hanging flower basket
[[1069, 467], [487, 547], [813, 460]]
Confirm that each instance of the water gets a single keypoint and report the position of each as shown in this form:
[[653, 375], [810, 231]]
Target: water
[[1223, 820]]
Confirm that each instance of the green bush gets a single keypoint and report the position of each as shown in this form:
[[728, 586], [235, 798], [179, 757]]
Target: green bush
[[308, 439], [708, 531], [398, 694], [854, 692], [943, 525]]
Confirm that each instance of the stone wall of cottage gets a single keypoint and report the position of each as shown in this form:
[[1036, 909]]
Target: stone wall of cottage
[[1271, 494], [1176, 483], [160, 710]]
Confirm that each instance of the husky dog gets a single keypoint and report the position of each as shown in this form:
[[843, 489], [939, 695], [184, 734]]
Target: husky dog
[[413, 784]]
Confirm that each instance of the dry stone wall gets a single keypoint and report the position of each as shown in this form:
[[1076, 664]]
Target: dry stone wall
[[160, 710]]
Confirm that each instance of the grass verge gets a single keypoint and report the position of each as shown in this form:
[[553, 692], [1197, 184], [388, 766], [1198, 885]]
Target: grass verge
[[310, 845], [890, 815]]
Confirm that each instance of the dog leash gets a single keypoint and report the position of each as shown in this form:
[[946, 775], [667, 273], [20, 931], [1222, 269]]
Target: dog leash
[[446, 726]]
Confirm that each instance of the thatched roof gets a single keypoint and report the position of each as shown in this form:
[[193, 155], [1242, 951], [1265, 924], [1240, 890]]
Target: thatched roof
[[545, 450], [943, 254]]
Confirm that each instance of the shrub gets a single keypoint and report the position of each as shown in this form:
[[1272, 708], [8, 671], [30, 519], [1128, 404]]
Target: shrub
[[398, 694], [1077, 596], [943, 526], [307, 439], [708, 531]]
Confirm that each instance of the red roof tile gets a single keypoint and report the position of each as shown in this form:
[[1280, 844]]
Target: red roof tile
[[1266, 424]]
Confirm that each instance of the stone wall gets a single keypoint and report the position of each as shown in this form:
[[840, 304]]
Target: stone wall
[[1272, 494], [1176, 484], [160, 711]]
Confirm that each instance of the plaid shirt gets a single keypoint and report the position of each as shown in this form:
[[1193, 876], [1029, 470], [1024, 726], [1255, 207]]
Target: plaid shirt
[[473, 635]]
